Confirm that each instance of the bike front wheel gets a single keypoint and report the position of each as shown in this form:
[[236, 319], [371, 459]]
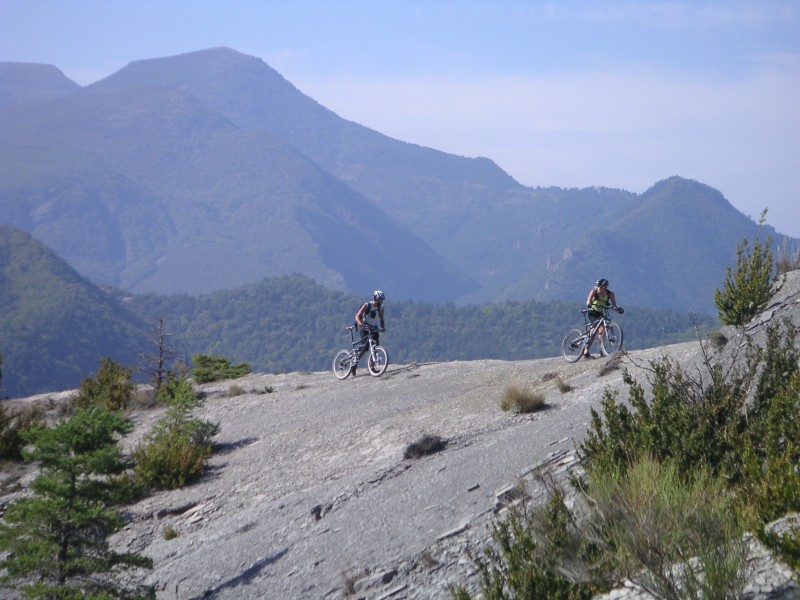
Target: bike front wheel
[[378, 361], [341, 364], [611, 340], [573, 344]]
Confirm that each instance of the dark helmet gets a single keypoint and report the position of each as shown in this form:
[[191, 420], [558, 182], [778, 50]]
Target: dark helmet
[[378, 296], [601, 282]]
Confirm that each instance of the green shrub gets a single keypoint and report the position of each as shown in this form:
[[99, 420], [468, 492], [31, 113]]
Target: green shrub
[[684, 421], [654, 516], [56, 539], [517, 565], [171, 458], [748, 288], [216, 368], [742, 424], [13, 426], [781, 360], [175, 452], [638, 522], [771, 480], [111, 387], [787, 546]]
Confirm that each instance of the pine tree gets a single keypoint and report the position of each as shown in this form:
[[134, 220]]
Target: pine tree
[[111, 387], [57, 538], [748, 288]]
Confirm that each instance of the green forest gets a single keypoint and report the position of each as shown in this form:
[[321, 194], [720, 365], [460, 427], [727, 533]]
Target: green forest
[[293, 324]]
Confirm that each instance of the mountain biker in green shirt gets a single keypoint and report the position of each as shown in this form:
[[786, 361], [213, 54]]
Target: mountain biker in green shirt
[[598, 300]]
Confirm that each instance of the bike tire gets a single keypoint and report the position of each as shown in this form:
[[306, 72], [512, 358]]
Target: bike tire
[[611, 340], [573, 344], [378, 361], [341, 364]]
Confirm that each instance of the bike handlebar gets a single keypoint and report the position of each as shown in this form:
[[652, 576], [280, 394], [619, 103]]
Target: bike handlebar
[[368, 327], [617, 309]]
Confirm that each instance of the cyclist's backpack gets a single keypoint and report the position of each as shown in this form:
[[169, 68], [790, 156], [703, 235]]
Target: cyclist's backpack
[[371, 314], [355, 312]]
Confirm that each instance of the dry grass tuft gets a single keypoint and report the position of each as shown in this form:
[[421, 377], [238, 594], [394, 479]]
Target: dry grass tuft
[[349, 583], [613, 363], [788, 258], [144, 396], [717, 339], [521, 399], [562, 385], [426, 560]]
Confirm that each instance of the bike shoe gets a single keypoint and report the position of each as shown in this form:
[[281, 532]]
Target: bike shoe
[[587, 355]]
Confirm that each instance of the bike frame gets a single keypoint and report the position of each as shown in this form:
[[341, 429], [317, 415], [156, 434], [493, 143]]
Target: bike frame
[[578, 340], [592, 328], [345, 360], [357, 343]]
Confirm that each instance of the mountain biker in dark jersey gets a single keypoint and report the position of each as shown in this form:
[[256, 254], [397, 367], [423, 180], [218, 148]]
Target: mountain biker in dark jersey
[[598, 300], [370, 313]]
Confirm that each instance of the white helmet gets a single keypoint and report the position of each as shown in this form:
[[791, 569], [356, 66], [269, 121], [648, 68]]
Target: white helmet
[[378, 296]]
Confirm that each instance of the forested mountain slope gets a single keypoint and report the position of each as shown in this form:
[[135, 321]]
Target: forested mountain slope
[[55, 326]]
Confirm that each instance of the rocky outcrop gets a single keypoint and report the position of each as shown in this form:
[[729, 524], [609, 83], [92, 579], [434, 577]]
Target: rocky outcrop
[[308, 494]]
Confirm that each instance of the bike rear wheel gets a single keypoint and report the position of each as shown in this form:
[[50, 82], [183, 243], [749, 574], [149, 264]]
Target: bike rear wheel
[[573, 344], [378, 361], [341, 364], [611, 340]]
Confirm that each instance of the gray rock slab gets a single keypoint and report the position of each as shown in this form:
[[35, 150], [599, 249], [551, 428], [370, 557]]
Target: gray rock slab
[[308, 494]]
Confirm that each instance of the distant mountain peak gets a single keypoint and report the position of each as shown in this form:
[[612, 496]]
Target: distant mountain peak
[[220, 54], [28, 82], [183, 69]]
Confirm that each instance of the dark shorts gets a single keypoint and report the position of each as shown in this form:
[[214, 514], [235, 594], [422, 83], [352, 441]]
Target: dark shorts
[[365, 334]]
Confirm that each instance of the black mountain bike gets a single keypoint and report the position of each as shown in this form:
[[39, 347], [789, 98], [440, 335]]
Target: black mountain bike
[[577, 340], [377, 357]]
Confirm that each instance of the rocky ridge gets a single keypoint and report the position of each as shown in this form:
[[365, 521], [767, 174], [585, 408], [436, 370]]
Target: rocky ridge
[[308, 494]]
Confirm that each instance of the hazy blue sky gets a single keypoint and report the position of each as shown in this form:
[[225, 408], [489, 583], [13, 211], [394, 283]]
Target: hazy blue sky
[[573, 94]]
